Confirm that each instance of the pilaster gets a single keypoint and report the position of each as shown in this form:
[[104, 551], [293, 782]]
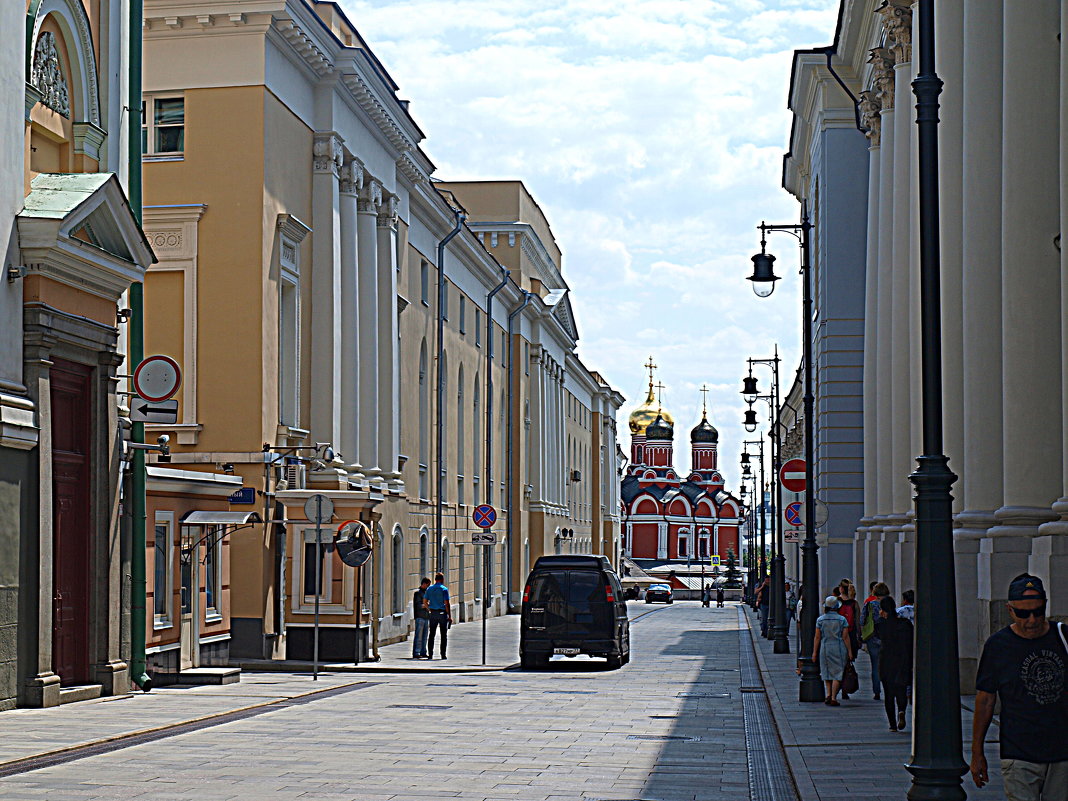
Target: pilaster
[[388, 353], [368, 202], [351, 181]]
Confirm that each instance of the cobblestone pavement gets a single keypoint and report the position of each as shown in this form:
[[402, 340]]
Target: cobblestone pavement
[[848, 752], [666, 727]]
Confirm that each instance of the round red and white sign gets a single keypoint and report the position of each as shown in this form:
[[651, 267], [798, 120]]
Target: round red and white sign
[[792, 475], [157, 378]]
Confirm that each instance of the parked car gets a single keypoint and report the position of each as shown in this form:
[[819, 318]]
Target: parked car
[[659, 592], [573, 604]]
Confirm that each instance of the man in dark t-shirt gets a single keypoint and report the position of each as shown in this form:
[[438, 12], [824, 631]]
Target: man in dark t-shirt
[[1026, 665], [422, 621]]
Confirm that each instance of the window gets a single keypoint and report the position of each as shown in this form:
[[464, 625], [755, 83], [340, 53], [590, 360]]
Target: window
[[424, 554], [424, 423], [478, 328], [424, 283], [526, 358], [163, 570], [315, 567], [460, 438], [213, 572], [289, 334], [463, 314], [445, 301], [162, 126], [398, 570], [684, 546]]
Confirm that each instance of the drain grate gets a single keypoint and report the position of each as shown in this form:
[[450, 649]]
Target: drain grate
[[752, 689], [702, 695], [664, 738], [418, 706]]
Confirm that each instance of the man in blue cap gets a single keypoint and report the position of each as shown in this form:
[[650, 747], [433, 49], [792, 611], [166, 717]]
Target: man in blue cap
[[1026, 665]]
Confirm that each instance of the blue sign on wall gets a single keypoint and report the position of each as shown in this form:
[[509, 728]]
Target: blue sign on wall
[[244, 495]]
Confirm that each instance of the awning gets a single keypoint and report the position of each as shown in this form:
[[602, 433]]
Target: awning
[[220, 518]]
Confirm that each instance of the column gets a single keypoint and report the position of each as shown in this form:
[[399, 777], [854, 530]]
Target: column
[[348, 331], [1030, 295], [882, 61], [870, 109], [1049, 552], [328, 153], [388, 354], [369, 199], [980, 490]]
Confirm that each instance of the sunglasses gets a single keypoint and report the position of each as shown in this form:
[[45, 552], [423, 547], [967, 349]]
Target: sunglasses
[[1026, 613]]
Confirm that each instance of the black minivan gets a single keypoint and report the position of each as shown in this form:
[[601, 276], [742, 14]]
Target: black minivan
[[573, 604]]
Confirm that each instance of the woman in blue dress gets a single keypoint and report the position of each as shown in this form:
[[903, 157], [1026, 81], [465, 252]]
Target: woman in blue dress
[[832, 648]]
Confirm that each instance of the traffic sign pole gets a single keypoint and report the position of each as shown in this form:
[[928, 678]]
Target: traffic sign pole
[[484, 517]]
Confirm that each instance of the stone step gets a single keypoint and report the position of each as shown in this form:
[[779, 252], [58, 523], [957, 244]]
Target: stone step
[[79, 692], [200, 676]]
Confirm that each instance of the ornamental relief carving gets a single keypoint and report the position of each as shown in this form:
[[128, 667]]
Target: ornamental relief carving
[[869, 115], [165, 240], [897, 18], [882, 61], [328, 153], [370, 197], [47, 77]]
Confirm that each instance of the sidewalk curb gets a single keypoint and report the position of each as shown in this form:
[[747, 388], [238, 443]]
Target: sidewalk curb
[[806, 790], [14, 763], [280, 666]]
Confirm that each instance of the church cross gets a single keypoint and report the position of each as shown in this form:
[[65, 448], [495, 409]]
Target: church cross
[[650, 366], [704, 401], [659, 395]]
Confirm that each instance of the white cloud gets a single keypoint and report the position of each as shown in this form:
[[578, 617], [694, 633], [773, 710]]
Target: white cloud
[[652, 133]]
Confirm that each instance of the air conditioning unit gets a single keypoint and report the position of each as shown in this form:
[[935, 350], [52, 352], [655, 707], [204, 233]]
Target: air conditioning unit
[[296, 476]]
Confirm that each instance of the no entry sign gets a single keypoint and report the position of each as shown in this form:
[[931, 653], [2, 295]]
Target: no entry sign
[[792, 475]]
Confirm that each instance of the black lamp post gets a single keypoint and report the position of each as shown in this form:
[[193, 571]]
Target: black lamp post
[[777, 624], [764, 278], [936, 764], [759, 482]]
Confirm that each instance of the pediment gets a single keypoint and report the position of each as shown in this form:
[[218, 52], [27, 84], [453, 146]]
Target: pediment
[[78, 229], [565, 315]]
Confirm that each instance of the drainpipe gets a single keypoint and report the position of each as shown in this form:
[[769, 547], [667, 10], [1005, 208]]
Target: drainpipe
[[508, 548], [505, 277], [439, 445], [136, 332], [828, 52]]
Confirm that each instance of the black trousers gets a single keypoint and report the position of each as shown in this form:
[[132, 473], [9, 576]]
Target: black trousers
[[894, 695], [438, 620]]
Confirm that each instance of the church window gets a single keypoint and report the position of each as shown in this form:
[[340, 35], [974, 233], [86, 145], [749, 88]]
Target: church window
[[163, 126]]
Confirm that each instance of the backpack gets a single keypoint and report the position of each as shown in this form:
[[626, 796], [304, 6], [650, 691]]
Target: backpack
[[867, 631]]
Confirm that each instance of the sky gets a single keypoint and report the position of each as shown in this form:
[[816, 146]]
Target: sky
[[651, 132]]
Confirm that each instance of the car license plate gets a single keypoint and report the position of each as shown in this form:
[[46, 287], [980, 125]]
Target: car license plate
[[566, 651]]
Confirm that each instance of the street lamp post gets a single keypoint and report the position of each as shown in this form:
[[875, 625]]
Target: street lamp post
[[764, 278], [777, 624], [758, 482], [936, 764]]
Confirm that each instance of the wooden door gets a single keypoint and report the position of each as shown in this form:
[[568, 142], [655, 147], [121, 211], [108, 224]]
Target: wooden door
[[72, 520]]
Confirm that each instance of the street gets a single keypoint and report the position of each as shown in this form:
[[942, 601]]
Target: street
[[668, 726]]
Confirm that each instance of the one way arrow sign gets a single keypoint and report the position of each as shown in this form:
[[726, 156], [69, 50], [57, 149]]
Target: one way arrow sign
[[142, 411]]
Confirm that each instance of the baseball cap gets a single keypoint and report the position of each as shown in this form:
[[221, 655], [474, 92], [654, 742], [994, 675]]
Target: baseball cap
[[1026, 583], [831, 602]]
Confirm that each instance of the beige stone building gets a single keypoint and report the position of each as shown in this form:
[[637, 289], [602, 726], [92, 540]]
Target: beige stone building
[[307, 261]]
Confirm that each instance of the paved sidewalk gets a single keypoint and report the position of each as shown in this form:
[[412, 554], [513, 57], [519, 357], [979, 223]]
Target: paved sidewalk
[[848, 751]]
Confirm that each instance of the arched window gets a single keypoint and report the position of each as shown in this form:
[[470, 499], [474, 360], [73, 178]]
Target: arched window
[[424, 553], [398, 570], [460, 437], [424, 422]]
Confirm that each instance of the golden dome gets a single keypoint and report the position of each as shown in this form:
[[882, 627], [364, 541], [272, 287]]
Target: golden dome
[[641, 417]]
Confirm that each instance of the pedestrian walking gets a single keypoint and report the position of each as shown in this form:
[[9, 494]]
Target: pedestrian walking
[[895, 661], [850, 610], [706, 595], [437, 600], [763, 601], [422, 621], [791, 606], [1026, 666], [869, 614], [831, 648], [908, 609], [719, 597]]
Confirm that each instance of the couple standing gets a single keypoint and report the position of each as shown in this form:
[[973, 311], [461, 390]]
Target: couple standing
[[432, 612]]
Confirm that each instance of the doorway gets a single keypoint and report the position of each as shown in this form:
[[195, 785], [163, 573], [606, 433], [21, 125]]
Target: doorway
[[71, 409], [188, 630]]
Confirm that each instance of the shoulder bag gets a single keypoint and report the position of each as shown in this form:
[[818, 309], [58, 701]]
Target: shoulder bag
[[850, 680]]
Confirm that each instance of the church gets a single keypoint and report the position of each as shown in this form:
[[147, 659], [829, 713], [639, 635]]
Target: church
[[668, 517]]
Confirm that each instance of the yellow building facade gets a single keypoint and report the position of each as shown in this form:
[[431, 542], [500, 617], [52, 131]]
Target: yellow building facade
[[306, 264]]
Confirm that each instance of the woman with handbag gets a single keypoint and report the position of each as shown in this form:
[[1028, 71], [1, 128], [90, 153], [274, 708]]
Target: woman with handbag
[[832, 648]]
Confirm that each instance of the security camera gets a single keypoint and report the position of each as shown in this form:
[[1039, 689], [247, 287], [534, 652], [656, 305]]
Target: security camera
[[162, 440]]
